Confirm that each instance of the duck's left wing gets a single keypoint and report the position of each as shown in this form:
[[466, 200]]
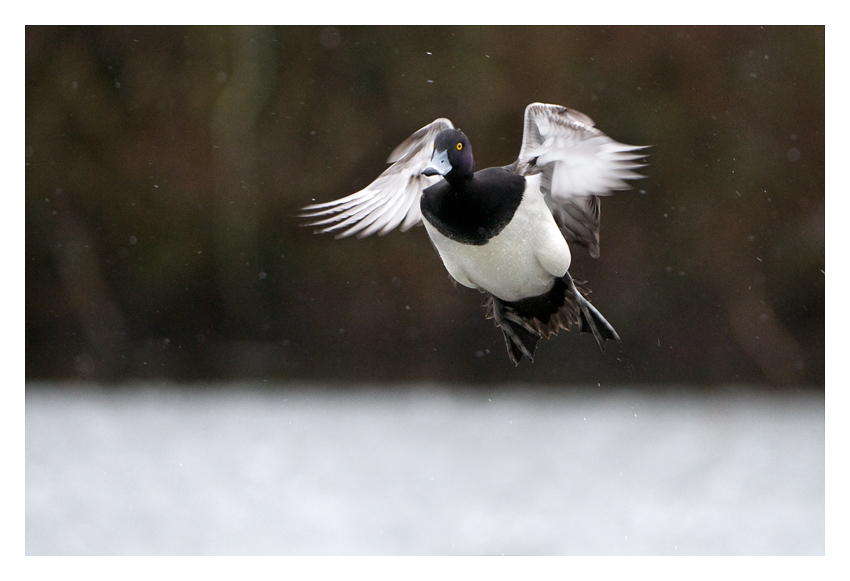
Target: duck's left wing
[[577, 163], [390, 201]]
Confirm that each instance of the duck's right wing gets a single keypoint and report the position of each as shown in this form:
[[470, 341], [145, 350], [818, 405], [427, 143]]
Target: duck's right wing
[[390, 201], [578, 163]]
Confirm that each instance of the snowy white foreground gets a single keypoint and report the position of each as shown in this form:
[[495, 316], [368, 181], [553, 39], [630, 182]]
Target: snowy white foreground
[[421, 471]]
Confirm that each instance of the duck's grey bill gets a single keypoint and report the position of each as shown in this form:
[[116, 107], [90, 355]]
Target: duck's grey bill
[[440, 164]]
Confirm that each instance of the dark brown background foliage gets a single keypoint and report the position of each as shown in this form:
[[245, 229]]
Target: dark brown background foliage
[[165, 167]]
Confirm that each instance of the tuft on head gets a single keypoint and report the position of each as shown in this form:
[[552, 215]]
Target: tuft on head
[[459, 151]]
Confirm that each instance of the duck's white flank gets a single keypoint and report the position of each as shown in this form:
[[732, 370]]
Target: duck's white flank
[[520, 262]]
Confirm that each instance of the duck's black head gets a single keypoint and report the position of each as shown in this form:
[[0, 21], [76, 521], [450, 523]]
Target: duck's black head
[[452, 156]]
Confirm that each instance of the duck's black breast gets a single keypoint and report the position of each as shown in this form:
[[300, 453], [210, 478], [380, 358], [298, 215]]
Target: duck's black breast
[[474, 211]]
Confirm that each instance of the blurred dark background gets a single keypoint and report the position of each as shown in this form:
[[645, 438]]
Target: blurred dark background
[[165, 167]]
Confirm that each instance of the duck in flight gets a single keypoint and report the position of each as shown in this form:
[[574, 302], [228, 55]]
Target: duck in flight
[[502, 230]]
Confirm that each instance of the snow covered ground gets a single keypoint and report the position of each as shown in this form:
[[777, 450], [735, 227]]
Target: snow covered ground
[[420, 470]]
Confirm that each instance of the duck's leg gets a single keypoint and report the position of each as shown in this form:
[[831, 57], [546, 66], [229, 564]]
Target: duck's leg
[[591, 320], [520, 338]]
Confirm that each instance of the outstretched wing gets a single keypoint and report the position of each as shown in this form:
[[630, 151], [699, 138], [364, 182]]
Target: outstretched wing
[[389, 201], [577, 163]]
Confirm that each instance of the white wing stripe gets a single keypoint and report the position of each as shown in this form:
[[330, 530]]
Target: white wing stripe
[[390, 200]]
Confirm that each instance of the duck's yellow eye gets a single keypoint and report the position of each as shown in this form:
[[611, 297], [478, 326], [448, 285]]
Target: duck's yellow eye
[[459, 146]]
